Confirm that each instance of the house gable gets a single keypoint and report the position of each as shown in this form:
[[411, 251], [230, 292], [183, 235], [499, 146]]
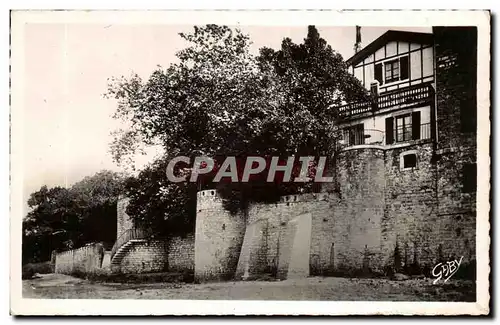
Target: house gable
[[394, 60]]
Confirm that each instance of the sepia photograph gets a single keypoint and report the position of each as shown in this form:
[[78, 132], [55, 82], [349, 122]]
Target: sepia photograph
[[161, 159]]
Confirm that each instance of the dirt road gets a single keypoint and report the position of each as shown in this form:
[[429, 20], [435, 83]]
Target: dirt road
[[315, 288]]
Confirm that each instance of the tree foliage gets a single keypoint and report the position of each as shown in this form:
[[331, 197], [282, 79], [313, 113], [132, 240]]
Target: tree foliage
[[220, 100], [65, 218], [156, 204]]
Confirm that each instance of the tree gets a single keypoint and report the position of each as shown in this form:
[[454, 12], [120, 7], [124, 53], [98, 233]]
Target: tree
[[210, 103], [65, 218], [315, 81], [220, 101], [163, 207], [97, 196]]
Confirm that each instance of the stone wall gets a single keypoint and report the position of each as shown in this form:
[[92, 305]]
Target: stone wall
[[357, 221], [382, 210], [175, 254], [456, 97], [335, 240], [274, 230], [381, 207], [106, 260], [124, 222], [281, 226], [219, 236], [181, 254], [411, 207], [87, 259], [145, 256], [456, 86], [456, 218], [253, 255]]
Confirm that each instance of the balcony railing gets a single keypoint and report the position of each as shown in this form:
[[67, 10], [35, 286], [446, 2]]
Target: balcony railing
[[354, 108], [405, 97], [361, 136], [406, 134], [355, 137]]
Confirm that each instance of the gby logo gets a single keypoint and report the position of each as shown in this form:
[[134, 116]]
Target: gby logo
[[233, 169], [446, 270]]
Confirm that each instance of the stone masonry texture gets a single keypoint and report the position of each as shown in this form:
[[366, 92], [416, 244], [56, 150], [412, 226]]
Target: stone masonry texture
[[174, 254], [124, 222], [87, 259], [456, 82], [218, 239]]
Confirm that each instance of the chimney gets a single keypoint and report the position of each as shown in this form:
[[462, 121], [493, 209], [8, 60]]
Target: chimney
[[357, 45]]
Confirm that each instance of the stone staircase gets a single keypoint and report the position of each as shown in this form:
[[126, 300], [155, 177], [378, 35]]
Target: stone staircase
[[123, 245]]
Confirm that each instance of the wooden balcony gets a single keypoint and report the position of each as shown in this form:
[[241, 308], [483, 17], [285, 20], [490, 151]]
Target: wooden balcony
[[411, 96]]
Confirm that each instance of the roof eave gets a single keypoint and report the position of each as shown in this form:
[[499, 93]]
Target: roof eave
[[390, 35]]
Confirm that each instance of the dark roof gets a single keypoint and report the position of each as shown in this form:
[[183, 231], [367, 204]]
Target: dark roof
[[391, 35]]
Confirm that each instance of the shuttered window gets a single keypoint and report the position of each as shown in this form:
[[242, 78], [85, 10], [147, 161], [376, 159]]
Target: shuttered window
[[405, 67], [404, 128], [415, 120], [378, 73], [389, 130], [393, 70]]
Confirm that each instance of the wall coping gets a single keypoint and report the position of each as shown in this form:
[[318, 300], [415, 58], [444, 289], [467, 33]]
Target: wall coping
[[389, 146], [365, 146], [306, 197], [207, 193], [75, 250]]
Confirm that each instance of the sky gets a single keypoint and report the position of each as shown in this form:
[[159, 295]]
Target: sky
[[67, 121]]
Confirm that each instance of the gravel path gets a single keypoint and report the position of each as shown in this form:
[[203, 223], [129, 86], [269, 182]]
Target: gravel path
[[314, 288]]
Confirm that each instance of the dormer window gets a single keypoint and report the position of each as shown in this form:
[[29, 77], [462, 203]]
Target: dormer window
[[392, 70]]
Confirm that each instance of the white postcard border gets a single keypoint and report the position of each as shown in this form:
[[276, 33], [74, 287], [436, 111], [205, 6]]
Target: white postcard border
[[21, 306]]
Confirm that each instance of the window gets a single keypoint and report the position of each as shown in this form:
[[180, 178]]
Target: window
[[403, 128], [393, 70], [469, 175], [410, 161], [355, 135]]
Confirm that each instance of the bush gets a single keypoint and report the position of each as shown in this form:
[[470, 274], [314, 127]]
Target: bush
[[344, 271], [29, 270], [163, 277]]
